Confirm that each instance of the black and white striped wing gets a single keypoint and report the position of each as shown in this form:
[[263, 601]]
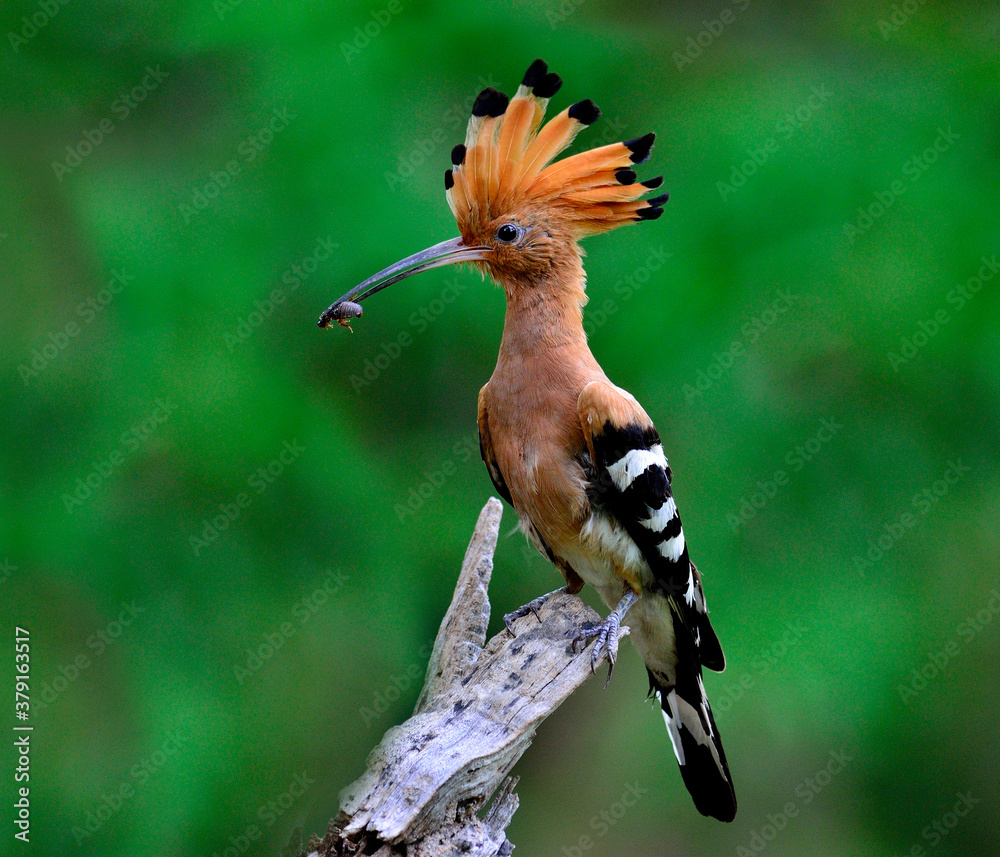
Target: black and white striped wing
[[630, 482], [632, 485]]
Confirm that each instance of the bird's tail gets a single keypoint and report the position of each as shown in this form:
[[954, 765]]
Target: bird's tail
[[694, 735]]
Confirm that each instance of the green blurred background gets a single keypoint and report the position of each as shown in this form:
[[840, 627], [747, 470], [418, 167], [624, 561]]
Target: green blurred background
[[184, 187]]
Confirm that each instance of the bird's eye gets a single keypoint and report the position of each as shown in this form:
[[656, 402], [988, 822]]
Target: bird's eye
[[509, 233]]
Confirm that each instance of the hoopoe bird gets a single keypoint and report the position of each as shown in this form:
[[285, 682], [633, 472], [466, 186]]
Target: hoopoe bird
[[577, 457]]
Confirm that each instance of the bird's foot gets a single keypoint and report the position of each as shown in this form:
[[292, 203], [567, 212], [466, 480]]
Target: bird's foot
[[532, 606], [608, 633]]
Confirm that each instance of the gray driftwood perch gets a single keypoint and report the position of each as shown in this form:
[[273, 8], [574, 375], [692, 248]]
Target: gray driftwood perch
[[429, 779]]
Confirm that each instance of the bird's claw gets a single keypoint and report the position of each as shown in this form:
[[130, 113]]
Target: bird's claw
[[608, 633], [532, 606]]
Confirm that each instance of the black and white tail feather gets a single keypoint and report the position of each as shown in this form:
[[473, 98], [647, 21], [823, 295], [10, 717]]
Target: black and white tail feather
[[630, 481], [696, 742]]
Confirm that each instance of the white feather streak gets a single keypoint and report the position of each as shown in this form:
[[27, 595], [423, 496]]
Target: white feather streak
[[673, 719], [672, 548], [659, 519], [634, 463]]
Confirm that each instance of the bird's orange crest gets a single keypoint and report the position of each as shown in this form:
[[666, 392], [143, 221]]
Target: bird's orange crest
[[506, 164]]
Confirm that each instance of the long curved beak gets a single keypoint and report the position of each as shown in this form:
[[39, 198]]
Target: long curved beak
[[450, 252]]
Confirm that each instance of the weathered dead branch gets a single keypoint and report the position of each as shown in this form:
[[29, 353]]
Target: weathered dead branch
[[430, 778]]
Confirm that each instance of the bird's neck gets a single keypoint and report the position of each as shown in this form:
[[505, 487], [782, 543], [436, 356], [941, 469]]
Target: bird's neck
[[545, 315], [544, 363]]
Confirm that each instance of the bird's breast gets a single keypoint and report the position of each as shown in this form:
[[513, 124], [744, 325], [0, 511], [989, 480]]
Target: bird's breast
[[537, 441]]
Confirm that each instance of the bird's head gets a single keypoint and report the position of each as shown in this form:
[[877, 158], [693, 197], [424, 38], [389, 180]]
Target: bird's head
[[519, 212]]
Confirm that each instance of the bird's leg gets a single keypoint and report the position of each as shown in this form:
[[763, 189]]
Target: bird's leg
[[607, 634], [532, 606]]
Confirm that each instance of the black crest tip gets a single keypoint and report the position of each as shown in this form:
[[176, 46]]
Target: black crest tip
[[490, 102], [548, 85], [659, 200], [650, 213], [458, 154], [640, 147], [536, 71], [652, 183], [625, 176], [585, 112], [449, 180]]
